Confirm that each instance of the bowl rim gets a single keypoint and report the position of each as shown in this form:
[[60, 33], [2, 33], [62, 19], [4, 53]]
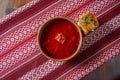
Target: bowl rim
[[40, 33]]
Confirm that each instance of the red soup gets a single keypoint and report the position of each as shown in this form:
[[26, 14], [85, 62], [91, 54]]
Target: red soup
[[59, 38]]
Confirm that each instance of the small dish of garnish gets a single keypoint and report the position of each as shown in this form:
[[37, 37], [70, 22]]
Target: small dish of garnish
[[88, 22]]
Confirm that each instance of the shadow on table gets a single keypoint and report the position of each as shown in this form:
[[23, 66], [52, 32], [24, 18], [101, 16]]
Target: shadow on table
[[117, 77]]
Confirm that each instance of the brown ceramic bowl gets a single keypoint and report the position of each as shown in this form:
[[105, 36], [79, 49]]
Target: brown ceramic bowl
[[41, 34]]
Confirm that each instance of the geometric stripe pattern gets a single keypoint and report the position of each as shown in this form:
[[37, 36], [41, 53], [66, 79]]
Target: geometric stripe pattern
[[41, 71], [19, 43], [107, 29], [81, 71]]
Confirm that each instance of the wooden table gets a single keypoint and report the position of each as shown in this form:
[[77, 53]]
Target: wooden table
[[108, 71]]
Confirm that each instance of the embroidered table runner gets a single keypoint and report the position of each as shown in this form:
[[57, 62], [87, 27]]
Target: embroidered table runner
[[20, 57]]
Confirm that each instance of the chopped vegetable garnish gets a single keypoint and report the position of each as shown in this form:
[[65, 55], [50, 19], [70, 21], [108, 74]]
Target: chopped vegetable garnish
[[88, 22], [84, 19], [90, 18]]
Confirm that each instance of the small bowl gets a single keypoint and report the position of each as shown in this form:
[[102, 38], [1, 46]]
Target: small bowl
[[41, 34]]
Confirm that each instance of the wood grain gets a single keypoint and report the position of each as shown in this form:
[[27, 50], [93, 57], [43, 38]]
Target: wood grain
[[19, 3], [3, 6], [7, 6]]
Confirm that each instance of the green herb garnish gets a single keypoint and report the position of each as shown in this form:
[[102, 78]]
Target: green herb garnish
[[86, 23], [84, 19], [90, 18]]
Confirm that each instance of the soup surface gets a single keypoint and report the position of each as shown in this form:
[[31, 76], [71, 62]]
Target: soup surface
[[59, 39]]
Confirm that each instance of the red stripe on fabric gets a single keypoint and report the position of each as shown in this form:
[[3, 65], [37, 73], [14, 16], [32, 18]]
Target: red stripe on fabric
[[84, 55], [29, 38], [79, 58], [34, 36], [39, 60], [88, 2], [98, 45], [109, 15], [25, 15], [93, 58], [16, 46]]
